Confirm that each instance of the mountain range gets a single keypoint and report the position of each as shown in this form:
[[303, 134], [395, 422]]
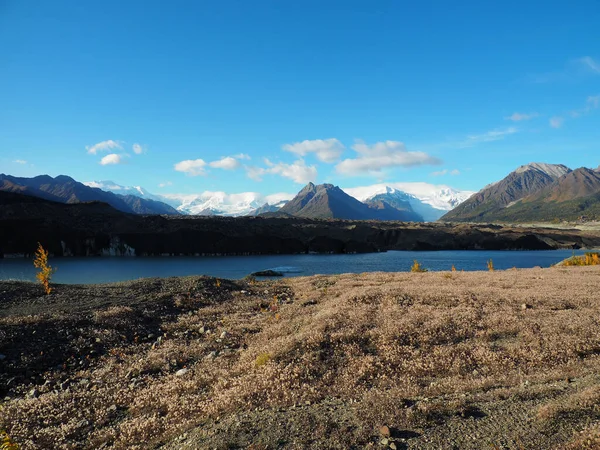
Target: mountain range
[[428, 201], [65, 189], [535, 192], [326, 201]]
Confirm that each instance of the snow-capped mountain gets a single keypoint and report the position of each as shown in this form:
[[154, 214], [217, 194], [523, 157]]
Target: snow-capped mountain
[[428, 200], [267, 208], [221, 203], [110, 186]]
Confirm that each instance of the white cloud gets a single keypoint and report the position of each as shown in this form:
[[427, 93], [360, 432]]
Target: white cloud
[[137, 149], [373, 159], [298, 171], [490, 136], [326, 150], [165, 184], [111, 159], [227, 163], [104, 146], [20, 161], [255, 173], [575, 69], [191, 167], [445, 172], [242, 156], [590, 64], [279, 197], [592, 102], [556, 122], [517, 117]]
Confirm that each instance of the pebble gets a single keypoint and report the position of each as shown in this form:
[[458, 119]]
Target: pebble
[[385, 431], [392, 446], [34, 393], [181, 372], [223, 334]]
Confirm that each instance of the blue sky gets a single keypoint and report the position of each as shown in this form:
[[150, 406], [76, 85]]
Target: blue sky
[[266, 95]]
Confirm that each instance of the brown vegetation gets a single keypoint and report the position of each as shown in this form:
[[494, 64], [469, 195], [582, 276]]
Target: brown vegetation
[[589, 259], [45, 271], [318, 362], [6, 443]]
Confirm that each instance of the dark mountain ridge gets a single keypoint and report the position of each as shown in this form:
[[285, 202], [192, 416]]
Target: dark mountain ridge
[[65, 189]]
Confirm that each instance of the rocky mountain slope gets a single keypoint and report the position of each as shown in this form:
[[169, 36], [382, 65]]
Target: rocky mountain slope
[[575, 196], [488, 203], [65, 189], [326, 201]]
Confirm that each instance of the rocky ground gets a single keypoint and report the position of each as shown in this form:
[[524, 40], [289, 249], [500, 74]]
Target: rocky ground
[[450, 360]]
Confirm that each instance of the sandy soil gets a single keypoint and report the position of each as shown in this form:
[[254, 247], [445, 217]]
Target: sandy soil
[[451, 360]]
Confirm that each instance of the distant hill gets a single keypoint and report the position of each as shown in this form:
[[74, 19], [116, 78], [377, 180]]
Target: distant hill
[[487, 203], [327, 201], [574, 195], [65, 189]]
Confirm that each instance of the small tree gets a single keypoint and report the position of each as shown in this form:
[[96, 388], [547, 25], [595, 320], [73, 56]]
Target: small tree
[[41, 262], [490, 265], [416, 267]]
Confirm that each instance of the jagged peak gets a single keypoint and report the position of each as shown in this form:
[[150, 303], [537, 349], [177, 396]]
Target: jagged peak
[[552, 170]]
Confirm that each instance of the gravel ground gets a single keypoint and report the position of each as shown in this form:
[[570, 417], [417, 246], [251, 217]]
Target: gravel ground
[[450, 360]]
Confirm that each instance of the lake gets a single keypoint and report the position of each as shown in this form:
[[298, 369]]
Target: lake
[[105, 270]]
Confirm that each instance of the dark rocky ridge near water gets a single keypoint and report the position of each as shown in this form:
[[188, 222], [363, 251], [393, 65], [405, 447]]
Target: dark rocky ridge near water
[[91, 229]]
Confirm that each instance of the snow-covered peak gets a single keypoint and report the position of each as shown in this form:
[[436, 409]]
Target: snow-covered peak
[[555, 171], [440, 197], [221, 203], [111, 186]]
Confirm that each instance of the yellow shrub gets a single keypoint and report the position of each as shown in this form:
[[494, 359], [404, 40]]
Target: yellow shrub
[[262, 359], [45, 273], [6, 443], [589, 259], [416, 267], [490, 265]]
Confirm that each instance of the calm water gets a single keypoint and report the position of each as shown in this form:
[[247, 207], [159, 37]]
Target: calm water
[[104, 270]]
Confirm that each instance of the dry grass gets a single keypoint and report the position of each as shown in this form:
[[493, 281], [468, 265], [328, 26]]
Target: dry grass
[[414, 351]]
